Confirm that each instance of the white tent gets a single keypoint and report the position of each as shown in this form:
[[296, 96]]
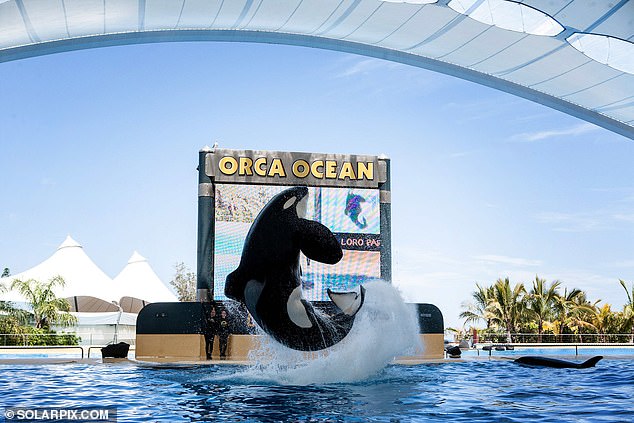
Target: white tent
[[105, 308], [81, 274], [138, 281]]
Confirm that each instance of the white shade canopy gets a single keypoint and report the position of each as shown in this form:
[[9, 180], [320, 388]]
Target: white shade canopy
[[571, 55], [82, 276]]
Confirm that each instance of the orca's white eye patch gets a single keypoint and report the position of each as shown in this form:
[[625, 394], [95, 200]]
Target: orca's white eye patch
[[302, 205], [289, 202]]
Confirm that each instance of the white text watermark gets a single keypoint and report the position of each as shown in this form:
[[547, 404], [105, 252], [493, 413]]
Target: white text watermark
[[60, 414]]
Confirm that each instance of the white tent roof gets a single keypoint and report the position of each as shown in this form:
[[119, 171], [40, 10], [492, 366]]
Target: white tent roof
[[81, 274], [138, 280]]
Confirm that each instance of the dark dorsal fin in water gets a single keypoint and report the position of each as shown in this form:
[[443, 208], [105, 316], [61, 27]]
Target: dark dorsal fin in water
[[558, 364]]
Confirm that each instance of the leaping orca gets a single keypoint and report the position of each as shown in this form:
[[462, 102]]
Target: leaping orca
[[268, 279], [559, 364]]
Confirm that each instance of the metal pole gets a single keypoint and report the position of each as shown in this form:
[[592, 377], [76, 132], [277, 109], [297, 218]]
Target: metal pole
[[206, 231], [385, 210]]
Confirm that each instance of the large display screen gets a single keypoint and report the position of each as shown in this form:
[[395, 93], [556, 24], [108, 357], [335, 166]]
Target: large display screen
[[351, 214]]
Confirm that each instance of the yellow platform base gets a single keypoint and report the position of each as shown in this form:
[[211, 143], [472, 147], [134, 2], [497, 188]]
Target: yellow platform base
[[169, 347], [432, 347]]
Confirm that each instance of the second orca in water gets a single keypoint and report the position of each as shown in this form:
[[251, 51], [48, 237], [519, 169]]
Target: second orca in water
[[268, 279], [559, 364]]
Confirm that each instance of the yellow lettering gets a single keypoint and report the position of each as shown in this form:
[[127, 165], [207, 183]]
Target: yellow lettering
[[331, 169], [245, 166], [301, 169], [347, 171], [258, 166], [314, 169], [277, 169], [228, 165], [365, 170]]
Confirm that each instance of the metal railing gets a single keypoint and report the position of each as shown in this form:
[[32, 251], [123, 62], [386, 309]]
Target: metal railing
[[489, 348], [43, 339], [29, 349], [549, 338], [32, 348]]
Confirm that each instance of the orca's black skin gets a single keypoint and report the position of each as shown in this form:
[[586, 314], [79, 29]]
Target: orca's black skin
[[558, 364], [269, 273]]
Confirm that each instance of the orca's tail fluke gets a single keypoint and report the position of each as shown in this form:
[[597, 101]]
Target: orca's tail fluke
[[591, 362], [348, 302]]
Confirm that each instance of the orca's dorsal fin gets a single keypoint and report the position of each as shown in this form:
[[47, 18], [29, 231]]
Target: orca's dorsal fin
[[348, 302], [591, 362]]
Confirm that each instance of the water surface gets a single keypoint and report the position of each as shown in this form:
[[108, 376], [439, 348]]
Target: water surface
[[473, 391]]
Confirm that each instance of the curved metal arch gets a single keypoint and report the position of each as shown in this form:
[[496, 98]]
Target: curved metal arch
[[267, 37]]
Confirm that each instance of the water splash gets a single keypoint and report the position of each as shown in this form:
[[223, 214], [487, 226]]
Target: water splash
[[384, 328]]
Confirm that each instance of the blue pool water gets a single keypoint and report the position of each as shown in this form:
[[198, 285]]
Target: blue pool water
[[472, 391]]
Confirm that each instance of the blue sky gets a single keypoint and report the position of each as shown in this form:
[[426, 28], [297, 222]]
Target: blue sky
[[102, 145]]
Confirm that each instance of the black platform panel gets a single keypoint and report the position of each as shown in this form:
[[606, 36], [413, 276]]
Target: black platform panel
[[430, 319], [173, 318]]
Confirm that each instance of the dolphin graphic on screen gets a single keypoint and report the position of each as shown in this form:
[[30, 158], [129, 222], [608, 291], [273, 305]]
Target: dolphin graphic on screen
[[268, 278]]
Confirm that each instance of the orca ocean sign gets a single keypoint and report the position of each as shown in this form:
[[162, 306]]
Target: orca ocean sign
[[285, 168], [347, 194]]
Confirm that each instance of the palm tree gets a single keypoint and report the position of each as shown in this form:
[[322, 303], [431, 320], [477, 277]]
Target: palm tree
[[567, 309], [628, 309], [6, 308], [604, 321], [541, 303], [508, 306], [581, 321], [47, 308], [479, 308], [12, 320]]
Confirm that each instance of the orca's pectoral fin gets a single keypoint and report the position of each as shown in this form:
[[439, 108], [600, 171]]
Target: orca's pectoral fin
[[348, 302], [297, 307], [318, 243], [591, 362]]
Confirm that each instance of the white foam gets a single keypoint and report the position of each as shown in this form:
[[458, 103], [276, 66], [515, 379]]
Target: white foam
[[384, 328]]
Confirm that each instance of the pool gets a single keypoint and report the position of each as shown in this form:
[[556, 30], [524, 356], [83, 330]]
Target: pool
[[351, 382], [473, 391]]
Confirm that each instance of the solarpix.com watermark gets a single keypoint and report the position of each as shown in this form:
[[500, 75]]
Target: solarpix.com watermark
[[57, 414]]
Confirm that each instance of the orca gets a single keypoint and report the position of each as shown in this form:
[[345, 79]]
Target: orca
[[558, 364], [268, 278]]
